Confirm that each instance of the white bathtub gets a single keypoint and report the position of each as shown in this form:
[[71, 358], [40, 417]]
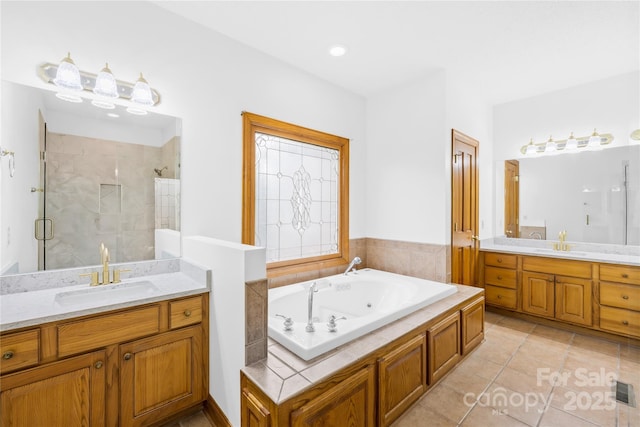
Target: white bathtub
[[368, 299]]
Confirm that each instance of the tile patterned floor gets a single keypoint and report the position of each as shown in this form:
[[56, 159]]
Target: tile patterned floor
[[522, 375]]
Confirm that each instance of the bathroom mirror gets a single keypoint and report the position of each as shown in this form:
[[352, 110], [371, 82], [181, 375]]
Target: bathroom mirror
[[107, 176], [593, 195]]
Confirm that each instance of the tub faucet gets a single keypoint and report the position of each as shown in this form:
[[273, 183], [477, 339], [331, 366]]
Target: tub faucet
[[352, 265], [536, 235], [312, 289]]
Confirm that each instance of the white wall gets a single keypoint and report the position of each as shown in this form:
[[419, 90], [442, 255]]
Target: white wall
[[610, 105], [407, 193], [203, 77]]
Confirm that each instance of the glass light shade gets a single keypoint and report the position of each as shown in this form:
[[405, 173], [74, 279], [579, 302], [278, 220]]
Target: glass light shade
[[106, 84], [594, 140], [550, 146], [531, 148], [571, 144], [68, 75], [141, 93]]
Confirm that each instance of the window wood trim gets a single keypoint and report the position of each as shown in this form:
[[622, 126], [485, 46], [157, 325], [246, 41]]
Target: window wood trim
[[252, 123]]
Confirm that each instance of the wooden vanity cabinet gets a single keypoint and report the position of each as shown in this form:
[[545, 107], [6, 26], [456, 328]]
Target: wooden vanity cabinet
[[620, 299], [67, 393], [472, 324], [129, 367]]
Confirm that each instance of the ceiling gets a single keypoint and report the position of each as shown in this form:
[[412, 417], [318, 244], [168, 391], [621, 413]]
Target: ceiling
[[502, 50]]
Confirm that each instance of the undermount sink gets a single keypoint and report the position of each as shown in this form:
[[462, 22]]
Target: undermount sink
[[551, 251], [107, 293]]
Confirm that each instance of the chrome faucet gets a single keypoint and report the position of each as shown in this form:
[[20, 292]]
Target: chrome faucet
[[312, 289], [352, 265]]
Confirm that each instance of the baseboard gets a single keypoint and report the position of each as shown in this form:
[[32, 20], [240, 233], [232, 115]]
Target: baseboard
[[213, 412]]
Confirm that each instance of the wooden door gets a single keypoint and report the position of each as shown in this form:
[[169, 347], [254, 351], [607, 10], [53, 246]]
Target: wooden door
[[160, 376], [538, 294], [402, 379], [349, 403], [61, 394], [573, 300], [511, 198], [464, 209]]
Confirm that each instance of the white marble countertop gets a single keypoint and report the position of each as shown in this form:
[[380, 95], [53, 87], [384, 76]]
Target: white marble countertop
[[578, 251], [28, 307]]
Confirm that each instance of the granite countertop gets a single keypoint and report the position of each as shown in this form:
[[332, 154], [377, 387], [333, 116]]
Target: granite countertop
[[283, 375], [613, 254], [31, 299]]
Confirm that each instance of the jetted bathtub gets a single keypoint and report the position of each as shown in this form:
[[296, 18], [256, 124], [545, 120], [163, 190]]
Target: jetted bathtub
[[368, 299]]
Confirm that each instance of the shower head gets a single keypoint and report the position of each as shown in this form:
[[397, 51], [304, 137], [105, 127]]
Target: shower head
[[159, 171]]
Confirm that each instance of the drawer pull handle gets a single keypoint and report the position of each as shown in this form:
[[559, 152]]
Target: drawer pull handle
[[500, 260], [127, 356], [98, 364], [499, 277], [187, 313], [625, 296], [625, 275], [7, 355], [499, 296], [625, 323]]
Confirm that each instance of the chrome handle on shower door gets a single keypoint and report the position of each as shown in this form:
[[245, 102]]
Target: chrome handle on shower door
[[40, 229]]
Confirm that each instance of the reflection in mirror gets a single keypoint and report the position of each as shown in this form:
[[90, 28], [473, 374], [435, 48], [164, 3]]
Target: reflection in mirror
[[106, 176], [594, 196]]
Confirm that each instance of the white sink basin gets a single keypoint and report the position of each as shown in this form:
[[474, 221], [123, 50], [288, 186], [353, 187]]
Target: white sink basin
[[106, 293], [551, 251]]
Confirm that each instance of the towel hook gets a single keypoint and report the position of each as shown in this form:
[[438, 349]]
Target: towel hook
[[12, 160]]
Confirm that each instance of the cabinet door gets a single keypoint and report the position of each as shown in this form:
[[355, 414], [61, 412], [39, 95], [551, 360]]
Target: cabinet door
[[160, 376], [444, 347], [61, 394], [472, 317], [573, 300], [349, 403], [402, 378], [538, 294], [253, 412]]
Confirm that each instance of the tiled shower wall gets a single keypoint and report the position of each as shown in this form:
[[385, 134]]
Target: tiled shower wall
[[100, 191], [422, 260]]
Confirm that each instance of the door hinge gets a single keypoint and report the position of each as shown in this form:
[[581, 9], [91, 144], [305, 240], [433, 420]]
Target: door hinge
[[516, 178], [43, 156]]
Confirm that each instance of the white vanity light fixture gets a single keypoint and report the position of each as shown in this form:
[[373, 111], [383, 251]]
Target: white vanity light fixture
[[571, 145], [104, 87]]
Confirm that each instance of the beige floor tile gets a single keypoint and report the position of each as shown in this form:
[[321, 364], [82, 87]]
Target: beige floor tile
[[466, 383], [550, 354], [492, 318], [517, 324], [447, 402], [523, 383], [478, 366], [554, 417], [525, 407], [420, 415], [553, 334], [630, 353], [533, 366], [484, 416], [596, 406], [628, 416], [493, 353], [590, 361], [582, 342], [503, 332]]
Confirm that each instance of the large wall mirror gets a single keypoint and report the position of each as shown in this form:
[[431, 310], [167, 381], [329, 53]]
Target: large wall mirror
[[593, 195], [106, 176]]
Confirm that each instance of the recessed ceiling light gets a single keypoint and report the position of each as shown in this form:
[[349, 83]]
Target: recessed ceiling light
[[337, 50]]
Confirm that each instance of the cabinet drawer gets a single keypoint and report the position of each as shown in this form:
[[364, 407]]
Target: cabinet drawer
[[97, 332], [185, 312], [500, 260], [500, 296], [620, 273], [619, 320], [557, 266], [19, 350], [623, 296], [500, 277]]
